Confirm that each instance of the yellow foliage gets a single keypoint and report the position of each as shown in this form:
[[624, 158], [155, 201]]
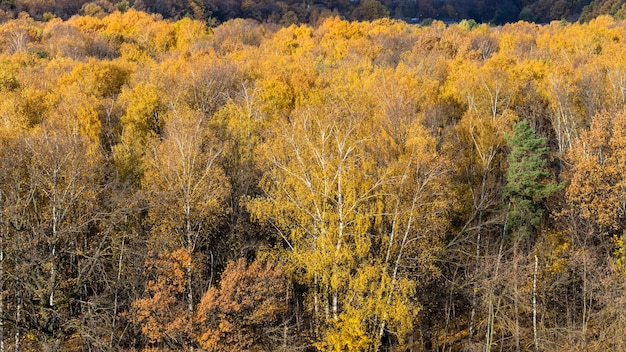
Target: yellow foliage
[[141, 121], [556, 256], [78, 113], [337, 36], [597, 188], [362, 135], [87, 24], [185, 182], [134, 53], [190, 34], [348, 335], [620, 253], [129, 24], [32, 107], [293, 40]]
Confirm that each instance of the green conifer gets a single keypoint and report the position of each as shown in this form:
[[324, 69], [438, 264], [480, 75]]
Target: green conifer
[[527, 179]]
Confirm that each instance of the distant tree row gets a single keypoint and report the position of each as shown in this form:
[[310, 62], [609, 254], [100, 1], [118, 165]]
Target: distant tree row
[[615, 8], [357, 186], [286, 12]]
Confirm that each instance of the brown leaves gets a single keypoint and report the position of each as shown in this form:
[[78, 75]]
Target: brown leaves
[[161, 313], [237, 315]]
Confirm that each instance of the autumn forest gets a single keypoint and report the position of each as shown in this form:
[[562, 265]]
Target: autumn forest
[[344, 186]]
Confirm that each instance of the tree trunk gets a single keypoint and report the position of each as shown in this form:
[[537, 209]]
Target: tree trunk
[[18, 313], [55, 229], [115, 300], [585, 293], [394, 276], [491, 311], [316, 305], [190, 247], [535, 305], [473, 311], [477, 265]]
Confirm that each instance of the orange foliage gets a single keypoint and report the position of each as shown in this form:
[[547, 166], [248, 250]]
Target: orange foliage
[[239, 314], [161, 314]]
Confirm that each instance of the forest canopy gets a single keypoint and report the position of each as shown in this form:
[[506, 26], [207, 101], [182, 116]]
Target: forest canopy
[[359, 186]]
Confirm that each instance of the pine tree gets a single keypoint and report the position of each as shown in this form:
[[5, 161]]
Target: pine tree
[[527, 179]]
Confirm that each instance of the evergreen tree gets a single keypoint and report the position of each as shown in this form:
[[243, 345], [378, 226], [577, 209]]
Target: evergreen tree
[[527, 179]]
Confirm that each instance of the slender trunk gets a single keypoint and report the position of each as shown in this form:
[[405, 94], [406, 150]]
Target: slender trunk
[[535, 305], [316, 304], [190, 305], [392, 236], [335, 313], [211, 277], [340, 210], [477, 264], [115, 300], [18, 303], [396, 267], [473, 311], [491, 311], [326, 304], [296, 310], [449, 312], [286, 327], [189, 278], [53, 275], [55, 225], [18, 313], [490, 322]]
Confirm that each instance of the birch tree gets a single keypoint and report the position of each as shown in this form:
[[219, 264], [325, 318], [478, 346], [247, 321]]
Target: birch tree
[[185, 187]]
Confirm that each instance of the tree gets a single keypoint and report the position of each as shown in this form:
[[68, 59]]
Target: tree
[[353, 215], [12, 205], [527, 180], [162, 312], [320, 188], [141, 121], [60, 221], [480, 155], [597, 192], [245, 311], [369, 10], [184, 183], [185, 188]]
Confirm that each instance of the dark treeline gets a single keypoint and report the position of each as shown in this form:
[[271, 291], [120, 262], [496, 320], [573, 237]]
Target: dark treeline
[[310, 11]]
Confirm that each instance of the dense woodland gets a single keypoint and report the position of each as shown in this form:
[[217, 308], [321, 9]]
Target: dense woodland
[[358, 186], [313, 12]]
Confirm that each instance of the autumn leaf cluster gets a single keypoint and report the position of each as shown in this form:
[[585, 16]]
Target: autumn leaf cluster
[[357, 186]]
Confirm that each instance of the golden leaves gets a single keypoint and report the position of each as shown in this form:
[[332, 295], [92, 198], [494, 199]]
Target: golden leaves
[[185, 180], [597, 187]]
